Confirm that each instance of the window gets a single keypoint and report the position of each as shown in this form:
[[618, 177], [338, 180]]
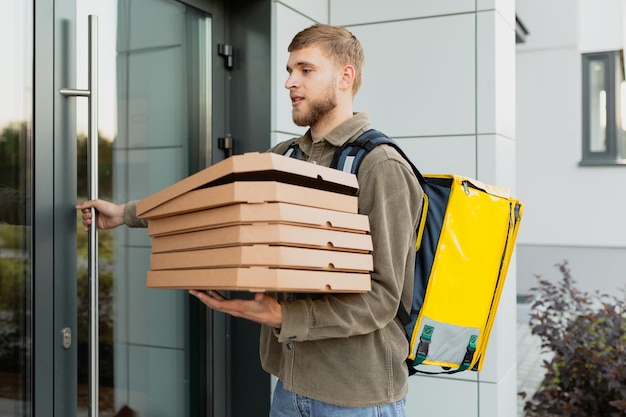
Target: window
[[604, 139]]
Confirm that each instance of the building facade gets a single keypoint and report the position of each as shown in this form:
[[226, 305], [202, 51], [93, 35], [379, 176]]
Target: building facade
[[171, 81], [570, 142]]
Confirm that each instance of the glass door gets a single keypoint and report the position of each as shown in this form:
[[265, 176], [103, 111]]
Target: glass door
[[154, 122], [16, 23]]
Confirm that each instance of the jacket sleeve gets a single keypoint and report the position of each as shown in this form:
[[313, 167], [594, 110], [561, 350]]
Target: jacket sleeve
[[130, 216], [391, 197]]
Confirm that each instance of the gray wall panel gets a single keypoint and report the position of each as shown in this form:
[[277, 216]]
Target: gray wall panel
[[593, 268]]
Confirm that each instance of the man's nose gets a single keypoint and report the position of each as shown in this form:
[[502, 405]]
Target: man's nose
[[291, 82]]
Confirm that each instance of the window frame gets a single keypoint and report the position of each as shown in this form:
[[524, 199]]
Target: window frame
[[615, 152]]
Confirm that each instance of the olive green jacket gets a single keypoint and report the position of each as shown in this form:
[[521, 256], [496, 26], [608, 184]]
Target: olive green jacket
[[350, 349]]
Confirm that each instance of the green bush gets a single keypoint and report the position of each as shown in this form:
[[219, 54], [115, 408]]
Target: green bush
[[12, 237], [105, 240], [586, 376], [13, 273]]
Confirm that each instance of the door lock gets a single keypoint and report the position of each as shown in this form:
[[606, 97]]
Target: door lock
[[66, 337]]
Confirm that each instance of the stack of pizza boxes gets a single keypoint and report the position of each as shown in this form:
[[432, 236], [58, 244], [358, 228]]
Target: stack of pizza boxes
[[259, 222]]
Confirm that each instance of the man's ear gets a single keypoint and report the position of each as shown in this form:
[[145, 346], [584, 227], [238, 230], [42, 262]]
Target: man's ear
[[347, 77]]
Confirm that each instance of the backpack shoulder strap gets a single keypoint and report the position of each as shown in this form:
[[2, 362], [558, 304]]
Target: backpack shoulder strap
[[294, 151], [349, 156]]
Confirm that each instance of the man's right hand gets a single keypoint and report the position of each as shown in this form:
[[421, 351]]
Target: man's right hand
[[110, 215]]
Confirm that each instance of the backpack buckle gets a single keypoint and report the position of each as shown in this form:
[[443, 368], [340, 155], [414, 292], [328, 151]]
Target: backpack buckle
[[424, 344], [422, 348]]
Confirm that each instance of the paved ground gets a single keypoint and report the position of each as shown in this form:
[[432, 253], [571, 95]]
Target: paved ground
[[529, 359]]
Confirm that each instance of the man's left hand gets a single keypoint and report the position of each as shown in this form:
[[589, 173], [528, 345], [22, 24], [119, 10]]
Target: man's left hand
[[262, 309]]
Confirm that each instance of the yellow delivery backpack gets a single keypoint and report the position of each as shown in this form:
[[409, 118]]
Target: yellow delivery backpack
[[464, 244], [469, 232]]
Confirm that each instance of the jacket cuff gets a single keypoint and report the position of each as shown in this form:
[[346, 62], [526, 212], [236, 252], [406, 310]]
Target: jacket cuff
[[130, 216], [295, 324]]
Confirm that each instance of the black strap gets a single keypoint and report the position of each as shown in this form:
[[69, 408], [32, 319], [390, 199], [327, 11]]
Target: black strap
[[353, 153], [362, 145], [294, 151], [358, 148], [403, 315]]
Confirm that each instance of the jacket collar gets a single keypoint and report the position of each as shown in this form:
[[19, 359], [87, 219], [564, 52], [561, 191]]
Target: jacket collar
[[345, 132]]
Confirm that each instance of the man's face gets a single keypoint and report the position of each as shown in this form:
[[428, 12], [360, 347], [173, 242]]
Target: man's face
[[312, 85]]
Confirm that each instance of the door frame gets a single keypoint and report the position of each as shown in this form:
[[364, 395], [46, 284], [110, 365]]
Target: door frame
[[54, 226], [54, 379], [236, 383]]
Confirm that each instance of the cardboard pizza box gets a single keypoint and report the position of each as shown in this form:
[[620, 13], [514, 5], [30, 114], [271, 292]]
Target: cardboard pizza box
[[266, 256], [253, 192], [258, 279], [237, 214], [264, 233], [256, 166]]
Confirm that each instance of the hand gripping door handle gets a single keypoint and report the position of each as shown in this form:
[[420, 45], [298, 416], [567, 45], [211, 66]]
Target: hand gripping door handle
[[92, 162]]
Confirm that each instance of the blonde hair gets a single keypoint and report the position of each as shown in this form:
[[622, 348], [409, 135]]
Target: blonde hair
[[338, 43]]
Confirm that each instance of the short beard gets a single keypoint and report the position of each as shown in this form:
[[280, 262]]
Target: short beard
[[319, 109]]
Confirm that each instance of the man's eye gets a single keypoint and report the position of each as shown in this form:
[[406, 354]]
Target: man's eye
[[307, 70]]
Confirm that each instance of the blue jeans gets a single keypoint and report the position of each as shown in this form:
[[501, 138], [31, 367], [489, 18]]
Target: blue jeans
[[288, 404]]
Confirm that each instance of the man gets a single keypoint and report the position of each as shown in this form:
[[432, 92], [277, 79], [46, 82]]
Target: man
[[333, 354]]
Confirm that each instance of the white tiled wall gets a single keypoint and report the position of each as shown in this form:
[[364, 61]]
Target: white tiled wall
[[495, 74], [350, 12], [541, 16], [505, 8], [442, 154], [411, 87], [496, 400], [549, 136], [439, 78], [605, 14], [287, 23], [496, 161], [443, 397], [316, 10]]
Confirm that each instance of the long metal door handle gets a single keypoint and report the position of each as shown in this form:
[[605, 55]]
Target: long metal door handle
[[92, 162]]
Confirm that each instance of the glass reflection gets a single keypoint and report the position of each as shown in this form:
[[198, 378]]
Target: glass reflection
[[153, 83], [598, 114], [16, 26]]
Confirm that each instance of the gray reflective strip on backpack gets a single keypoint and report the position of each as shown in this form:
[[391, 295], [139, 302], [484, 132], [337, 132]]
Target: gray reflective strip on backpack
[[290, 152], [348, 163], [448, 342]]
